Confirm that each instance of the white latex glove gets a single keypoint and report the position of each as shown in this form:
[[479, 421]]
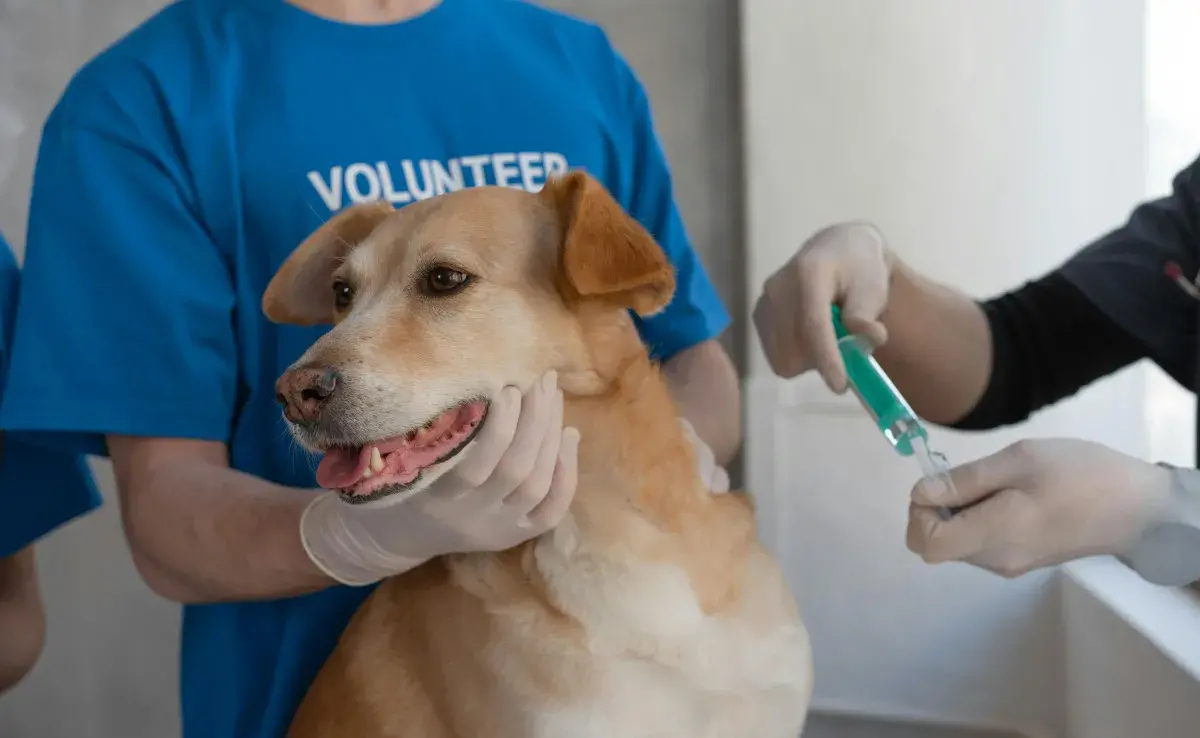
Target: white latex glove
[[1039, 503], [516, 481], [714, 475], [845, 264]]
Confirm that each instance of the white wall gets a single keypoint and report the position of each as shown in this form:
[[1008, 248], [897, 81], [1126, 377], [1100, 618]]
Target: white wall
[[989, 140]]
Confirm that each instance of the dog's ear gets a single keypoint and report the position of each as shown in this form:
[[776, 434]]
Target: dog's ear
[[300, 292], [605, 253]]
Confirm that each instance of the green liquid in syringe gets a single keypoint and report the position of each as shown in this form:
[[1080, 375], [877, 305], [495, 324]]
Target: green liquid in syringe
[[876, 392]]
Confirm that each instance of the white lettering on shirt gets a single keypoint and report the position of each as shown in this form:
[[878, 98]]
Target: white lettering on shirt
[[389, 190], [355, 174], [408, 180], [505, 171]]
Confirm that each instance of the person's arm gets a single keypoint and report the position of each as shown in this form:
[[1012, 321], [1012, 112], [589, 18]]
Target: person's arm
[[202, 532], [979, 365], [40, 490], [1048, 341], [1036, 345], [22, 618], [939, 349], [124, 273], [705, 385]]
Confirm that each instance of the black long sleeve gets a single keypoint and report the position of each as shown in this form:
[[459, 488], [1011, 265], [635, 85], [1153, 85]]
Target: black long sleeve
[[1048, 341]]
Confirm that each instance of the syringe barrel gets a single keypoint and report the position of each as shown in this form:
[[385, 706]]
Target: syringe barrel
[[875, 390]]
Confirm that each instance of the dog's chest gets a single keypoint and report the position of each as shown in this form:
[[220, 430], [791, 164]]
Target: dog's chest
[[646, 700], [662, 668]]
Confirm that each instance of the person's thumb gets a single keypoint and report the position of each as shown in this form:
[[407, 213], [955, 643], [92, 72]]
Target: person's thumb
[[937, 541], [861, 308], [969, 483], [775, 325]]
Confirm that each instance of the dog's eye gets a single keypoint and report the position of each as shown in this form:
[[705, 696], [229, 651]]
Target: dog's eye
[[343, 294], [444, 280]]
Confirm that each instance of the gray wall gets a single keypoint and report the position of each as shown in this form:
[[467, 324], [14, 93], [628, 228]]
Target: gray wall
[[109, 668]]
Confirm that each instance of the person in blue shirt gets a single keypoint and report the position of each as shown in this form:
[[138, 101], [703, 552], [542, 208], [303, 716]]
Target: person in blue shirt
[[40, 490], [177, 172]]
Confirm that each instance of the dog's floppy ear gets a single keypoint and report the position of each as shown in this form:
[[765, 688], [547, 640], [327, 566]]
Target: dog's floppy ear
[[300, 292], [606, 254]]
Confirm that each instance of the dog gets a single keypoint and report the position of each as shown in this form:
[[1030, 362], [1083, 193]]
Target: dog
[[651, 610]]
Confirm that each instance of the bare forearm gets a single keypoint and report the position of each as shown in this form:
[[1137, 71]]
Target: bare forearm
[[705, 385], [22, 619], [202, 532], [939, 347]]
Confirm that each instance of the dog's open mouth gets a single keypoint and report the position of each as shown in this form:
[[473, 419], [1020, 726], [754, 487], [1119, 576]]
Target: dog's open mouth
[[378, 469]]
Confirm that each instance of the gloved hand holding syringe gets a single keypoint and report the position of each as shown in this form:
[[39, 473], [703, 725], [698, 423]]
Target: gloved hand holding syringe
[[888, 408]]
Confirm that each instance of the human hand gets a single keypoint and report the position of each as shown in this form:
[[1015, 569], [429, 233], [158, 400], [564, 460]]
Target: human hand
[[711, 473], [515, 482], [1038, 503], [847, 264]]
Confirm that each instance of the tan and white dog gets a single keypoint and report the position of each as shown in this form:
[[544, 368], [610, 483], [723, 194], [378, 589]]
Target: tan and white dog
[[652, 610]]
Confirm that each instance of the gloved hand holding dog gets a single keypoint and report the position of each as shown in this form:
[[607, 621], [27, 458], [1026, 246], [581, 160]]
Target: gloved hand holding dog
[[516, 481]]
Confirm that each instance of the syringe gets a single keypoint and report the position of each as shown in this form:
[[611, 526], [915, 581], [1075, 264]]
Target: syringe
[[888, 408]]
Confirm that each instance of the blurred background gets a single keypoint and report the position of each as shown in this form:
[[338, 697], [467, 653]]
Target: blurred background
[[989, 139]]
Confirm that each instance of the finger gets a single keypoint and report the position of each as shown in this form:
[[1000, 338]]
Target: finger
[[861, 309], [551, 510], [532, 427], [872, 330], [974, 481], [494, 438], [704, 454], [920, 526], [535, 487], [966, 536], [936, 540], [775, 325], [814, 329], [688, 428], [720, 481]]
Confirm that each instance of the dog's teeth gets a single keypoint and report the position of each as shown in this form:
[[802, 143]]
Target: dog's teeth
[[367, 473], [376, 460]]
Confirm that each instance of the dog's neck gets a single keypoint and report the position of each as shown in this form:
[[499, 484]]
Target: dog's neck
[[632, 444], [639, 498]]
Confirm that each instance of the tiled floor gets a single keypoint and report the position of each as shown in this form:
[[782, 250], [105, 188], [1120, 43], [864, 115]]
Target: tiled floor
[[837, 726]]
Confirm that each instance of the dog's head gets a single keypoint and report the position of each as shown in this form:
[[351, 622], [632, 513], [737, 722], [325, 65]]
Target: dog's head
[[439, 305]]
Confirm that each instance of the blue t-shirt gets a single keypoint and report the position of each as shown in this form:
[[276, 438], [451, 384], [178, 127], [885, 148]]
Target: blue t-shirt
[[185, 163], [40, 488]]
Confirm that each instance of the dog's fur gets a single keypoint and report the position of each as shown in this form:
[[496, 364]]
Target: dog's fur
[[651, 610]]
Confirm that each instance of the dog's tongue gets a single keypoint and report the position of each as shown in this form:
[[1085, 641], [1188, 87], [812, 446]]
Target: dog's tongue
[[342, 467]]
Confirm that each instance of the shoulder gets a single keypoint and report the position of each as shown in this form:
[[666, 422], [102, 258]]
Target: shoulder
[[576, 42], [147, 69], [532, 17]]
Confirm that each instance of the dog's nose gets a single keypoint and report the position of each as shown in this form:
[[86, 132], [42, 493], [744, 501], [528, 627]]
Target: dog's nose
[[303, 392]]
